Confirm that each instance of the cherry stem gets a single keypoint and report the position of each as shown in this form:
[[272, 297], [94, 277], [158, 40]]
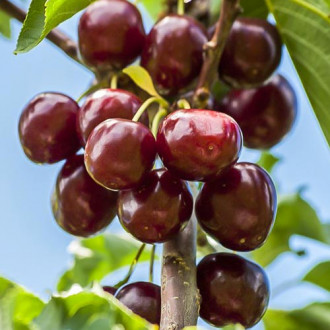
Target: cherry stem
[[180, 7], [92, 89], [213, 50], [145, 106], [152, 261], [56, 36], [184, 104], [114, 81], [162, 112]]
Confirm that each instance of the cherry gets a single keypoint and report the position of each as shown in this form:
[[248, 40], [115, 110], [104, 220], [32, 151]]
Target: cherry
[[80, 206], [265, 114], [158, 209], [111, 34], [238, 209], [119, 153], [173, 53], [198, 144], [110, 289], [47, 128], [233, 290], [252, 53], [105, 104], [143, 299]]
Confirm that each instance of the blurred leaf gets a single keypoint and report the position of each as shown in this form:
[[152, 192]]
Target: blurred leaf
[[88, 310], [42, 17], [294, 217], [17, 306], [96, 257], [5, 25], [267, 161], [254, 8], [315, 316], [154, 8], [219, 90], [326, 230], [305, 28], [320, 275]]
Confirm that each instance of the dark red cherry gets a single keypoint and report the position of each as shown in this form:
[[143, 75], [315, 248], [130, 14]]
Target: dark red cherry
[[198, 144], [110, 289], [143, 299], [252, 53], [47, 128], [265, 114], [80, 206], [105, 104], [111, 34], [173, 53], [233, 290], [119, 153], [158, 209], [238, 209]]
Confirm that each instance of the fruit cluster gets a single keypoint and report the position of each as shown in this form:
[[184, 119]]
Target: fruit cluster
[[116, 174]]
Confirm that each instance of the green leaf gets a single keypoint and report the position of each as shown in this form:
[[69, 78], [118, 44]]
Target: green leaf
[[268, 161], [154, 8], [42, 17], [320, 275], [142, 79], [294, 217], [96, 257], [5, 25], [254, 8], [315, 316], [88, 310], [305, 28], [17, 306]]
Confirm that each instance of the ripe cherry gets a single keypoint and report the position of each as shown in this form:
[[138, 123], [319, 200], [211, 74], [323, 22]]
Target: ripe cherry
[[80, 206], [198, 144], [143, 299], [158, 209], [111, 34], [238, 208], [110, 289], [47, 128], [105, 104], [233, 290], [252, 53], [265, 114], [173, 53], [119, 153]]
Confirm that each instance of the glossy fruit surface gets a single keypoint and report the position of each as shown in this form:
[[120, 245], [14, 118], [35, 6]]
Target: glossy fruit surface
[[47, 128], [143, 299], [198, 144], [80, 206], [265, 114], [119, 153], [158, 209], [110, 289], [238, 209], [252, 53], [233, 290], [105, 104], [111, 34], [173, 53]]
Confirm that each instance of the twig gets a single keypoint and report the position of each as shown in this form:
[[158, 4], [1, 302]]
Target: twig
[[56, 36], [213, 51]]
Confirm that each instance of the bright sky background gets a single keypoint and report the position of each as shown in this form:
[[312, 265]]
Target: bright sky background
[[32, 246]]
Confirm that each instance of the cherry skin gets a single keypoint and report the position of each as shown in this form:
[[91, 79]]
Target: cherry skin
[[119, 153], [265, 114], [198, 144], [173, 53], [111, 34], [105, 104], [252, 53], [110, 289], [238, 208], [233, 290], [158, 209], [47, 128], [143, 299], [80, 206]]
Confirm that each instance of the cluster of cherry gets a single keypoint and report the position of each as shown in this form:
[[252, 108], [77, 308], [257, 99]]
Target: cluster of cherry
[[237, 203]]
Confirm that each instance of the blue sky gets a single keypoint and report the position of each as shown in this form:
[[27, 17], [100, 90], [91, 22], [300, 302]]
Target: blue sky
[[33, 248]]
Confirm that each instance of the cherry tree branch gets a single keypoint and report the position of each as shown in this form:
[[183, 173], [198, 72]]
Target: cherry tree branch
[[56, 36], [213, 50]]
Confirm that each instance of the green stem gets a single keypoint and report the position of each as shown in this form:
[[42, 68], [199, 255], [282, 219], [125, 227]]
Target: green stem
[[114, 81], [152, 261], [145, 106], [132, 267], [162, 112], [184, 104], [92, 89], [180, 7]]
